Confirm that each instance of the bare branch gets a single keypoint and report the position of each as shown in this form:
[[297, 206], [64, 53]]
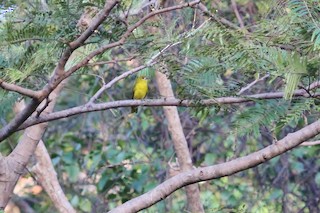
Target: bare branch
[[108, 85], [39, 111], [45, 173], [179, 141], [153, 102], [220, 170], [47, 177], [236, 11], [310, 143], [12, 126], [95, 23], [15, 88], [252, 84], [115, 61], [223, 21]]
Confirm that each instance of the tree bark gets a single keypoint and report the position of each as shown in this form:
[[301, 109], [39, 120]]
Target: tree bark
[[182, 179], [46, 174], [47, 177], [12, 166], [179, 142]]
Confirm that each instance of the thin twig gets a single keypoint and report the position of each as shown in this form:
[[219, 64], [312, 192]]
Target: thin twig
[[252, 84], [310, 143], [115, 61], [223, 21], [236, 11], [43, 108], [115, 80]]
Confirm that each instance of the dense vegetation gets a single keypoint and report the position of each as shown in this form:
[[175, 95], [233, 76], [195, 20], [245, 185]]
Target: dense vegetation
[[108, 157]]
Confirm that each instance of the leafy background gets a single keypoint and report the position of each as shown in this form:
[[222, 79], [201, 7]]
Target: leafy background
[[106, 158]]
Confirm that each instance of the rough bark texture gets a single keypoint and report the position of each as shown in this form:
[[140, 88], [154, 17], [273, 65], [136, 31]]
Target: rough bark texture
[[12, 166], [47, 177], [179, 142]]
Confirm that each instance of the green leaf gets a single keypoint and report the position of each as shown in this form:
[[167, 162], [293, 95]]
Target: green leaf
[[73, 172], [297, 167], [85, 205], [210, 158], [55, 160], [75, 201], [103, 181], [68, 158]]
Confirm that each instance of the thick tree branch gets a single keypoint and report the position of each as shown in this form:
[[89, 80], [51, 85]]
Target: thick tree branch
[[14, 164], [220, 170], [179, 141], [15, 88], [95, 23], [46, 175], [153, 102]]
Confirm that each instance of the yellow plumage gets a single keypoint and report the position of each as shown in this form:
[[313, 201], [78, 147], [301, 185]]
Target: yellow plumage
[[140, 90]]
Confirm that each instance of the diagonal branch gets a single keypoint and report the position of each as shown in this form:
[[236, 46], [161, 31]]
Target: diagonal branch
[[252, 84], [118, 78], [236, 11], [95, 23], [99, 18], [223, 21], [220, 170], [12, 126]]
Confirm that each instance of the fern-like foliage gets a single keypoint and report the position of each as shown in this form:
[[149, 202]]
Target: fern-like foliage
[[294, 114], [307, 13], [204, 78], [263, 113], [7, 101]]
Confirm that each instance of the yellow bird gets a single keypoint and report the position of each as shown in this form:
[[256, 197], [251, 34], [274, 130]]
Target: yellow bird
[[140, 90]]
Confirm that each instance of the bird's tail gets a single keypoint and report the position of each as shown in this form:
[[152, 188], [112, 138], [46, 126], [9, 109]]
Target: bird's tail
[[134, 109]]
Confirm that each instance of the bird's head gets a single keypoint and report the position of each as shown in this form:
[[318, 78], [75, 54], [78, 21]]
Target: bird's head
[[143, 78]]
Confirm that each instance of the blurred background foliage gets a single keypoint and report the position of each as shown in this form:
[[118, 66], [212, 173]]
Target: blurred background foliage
[[106, 158]]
